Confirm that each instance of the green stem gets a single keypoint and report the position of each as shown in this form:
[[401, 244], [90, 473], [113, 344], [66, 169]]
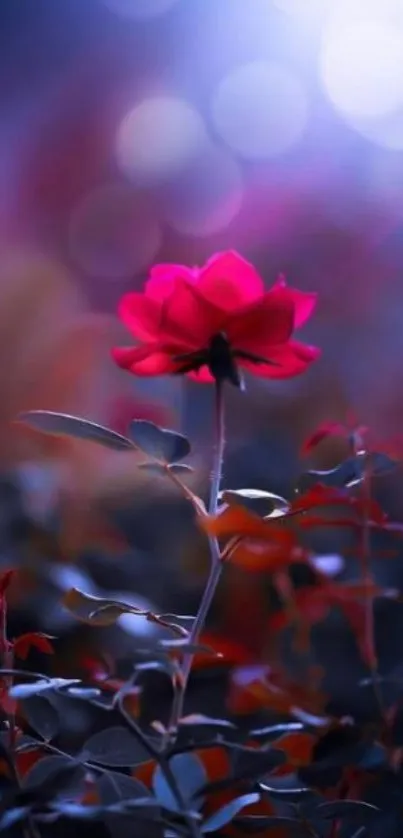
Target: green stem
[[215, 568]]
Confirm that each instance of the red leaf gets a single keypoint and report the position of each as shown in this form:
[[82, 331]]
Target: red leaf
[[97, 669], [320, 495], [321, 433], [231, 652], [27, 759], [237, 520], [36, 640], [298, 747], [316, 521], [255, 555], [257, 687], [5, 580], [132, 702]]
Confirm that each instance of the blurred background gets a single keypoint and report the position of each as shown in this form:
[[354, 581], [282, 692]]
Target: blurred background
[[142, 131]]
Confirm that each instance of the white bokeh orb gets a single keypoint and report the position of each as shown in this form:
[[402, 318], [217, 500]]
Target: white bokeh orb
[[341, 12], [309, 11], [350, 12], [362, 69], [158, 138], [260, 110], [385, 132]]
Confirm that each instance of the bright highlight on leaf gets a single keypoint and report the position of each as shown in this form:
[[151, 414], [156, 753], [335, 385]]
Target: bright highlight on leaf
[[61, 424], [98, 611]]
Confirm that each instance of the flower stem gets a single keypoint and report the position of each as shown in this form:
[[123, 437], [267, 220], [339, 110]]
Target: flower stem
[[215, 568]]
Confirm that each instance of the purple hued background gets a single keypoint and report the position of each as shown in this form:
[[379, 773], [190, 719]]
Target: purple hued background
[[143, 131], [136, 131]]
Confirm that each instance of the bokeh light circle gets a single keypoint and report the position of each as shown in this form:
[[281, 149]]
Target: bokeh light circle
[[260, 110], [362, 69], [158, 138], [350, 12], [207, 197], [113, 232], [310, 11], [386, 132], [140, 9]]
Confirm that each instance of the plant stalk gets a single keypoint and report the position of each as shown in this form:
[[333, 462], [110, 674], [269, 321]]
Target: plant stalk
[[215, 569]]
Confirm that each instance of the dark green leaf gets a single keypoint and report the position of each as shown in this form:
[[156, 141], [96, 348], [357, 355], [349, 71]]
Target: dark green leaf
[[61, 424], [97, 611], [49, 767], [248, 764], [25, 744], [161, 469], [161, 443], [45, 785], [375, 756], [76, 811], [252, 763], [296, 795], [258, 823], [189, 775], [183, 645], [228, 812], [113, 786], [41, 716], [357, 809], [258, 500], [114, 746], [339, 748], [85, 693], [13, 816], [348, 473], [198, 719], [321, 776], [20, 691], [185, 617], [277, 730]]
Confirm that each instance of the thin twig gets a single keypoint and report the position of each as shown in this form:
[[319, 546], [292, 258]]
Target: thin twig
[[161, 760], [214, 575]]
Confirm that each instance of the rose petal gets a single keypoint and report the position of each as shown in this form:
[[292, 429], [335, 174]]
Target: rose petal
[[202, 376], [229, 281], [268, 322], [157, 363], [189, 318], [163, 279], [293, 359], [126, 356], [304, 301], [141, 315]]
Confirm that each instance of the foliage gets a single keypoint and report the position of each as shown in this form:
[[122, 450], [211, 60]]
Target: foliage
[[286, 753]]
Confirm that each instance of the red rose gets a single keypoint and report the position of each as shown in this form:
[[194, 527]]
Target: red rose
[[205, 322]]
